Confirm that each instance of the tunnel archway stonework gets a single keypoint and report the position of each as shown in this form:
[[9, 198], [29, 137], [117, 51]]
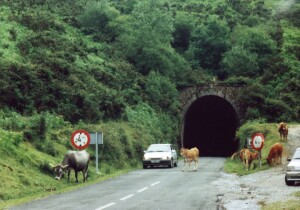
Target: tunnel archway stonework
[[211, 114]]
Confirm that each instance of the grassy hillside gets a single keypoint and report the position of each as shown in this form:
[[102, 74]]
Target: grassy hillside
[[90, 60], [28, 151]]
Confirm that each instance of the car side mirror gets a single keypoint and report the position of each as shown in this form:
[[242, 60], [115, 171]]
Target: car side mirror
[[173, 150], [288, 159]]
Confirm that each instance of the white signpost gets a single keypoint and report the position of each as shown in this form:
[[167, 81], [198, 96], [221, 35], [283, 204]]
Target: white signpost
[[96, 138]]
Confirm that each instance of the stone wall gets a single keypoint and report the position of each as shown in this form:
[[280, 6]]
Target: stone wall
[[230, 92]]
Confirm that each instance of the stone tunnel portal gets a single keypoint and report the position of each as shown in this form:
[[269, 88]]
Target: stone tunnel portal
[[210, 124]]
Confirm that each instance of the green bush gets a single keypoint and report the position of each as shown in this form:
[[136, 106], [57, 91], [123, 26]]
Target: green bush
[[162, 93], [11, 120]]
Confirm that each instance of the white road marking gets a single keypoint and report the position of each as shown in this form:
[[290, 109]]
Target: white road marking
[[126, 197], [143, 189], [154, 184], [106, 206]]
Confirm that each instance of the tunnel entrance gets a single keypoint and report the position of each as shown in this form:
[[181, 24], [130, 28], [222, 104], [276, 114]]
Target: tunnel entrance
[[210, 124]]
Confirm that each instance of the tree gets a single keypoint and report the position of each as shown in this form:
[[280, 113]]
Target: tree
[[162, 93], [184, 26], [146, 43], [209, 42], [239, 62], [97, 19], [256, 40]]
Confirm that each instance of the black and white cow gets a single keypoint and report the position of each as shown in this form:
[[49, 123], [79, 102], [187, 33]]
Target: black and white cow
[[73, 160]]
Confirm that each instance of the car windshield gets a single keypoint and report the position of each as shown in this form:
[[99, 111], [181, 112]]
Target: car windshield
[[158, 148], [297, 154]]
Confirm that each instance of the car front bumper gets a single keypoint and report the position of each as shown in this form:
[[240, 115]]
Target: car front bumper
[[156, 162], [293, 175]]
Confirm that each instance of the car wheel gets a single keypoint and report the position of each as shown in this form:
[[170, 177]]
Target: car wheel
[[171, 165], [287, 182], [144, 166], [175, 164]]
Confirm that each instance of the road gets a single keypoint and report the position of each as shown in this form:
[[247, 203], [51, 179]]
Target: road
[[155, 188]]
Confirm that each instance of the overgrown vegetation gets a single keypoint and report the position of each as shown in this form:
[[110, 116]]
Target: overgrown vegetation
[[116, 66], [90, 60], [30, 147]]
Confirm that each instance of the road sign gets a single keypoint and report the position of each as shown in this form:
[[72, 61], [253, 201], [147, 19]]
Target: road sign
[[257, 141], [97, 138], [80, 139]]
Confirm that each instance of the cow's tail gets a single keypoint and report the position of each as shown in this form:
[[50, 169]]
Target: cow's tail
[[233, 156]]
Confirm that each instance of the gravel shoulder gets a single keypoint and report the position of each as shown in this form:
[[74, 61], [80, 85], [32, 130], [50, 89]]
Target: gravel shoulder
[[255, 190]]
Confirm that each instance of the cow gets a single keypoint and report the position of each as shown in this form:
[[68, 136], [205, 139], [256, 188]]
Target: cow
[[247, 157], [275, 154], [190, 155], [240, 154], [283, 131], [73, 160]]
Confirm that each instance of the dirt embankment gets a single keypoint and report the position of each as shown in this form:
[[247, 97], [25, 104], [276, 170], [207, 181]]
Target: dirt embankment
[[254, 190]]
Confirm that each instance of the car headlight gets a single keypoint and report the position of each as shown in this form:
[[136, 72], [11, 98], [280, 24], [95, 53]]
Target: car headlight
[[165, 157], [146, 157], [290, 168]]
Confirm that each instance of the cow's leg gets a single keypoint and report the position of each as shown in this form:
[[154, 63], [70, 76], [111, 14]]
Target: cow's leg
[[69, 171], [280, 157], [246, 164], [184, 164], [84, 175], [194, 169], [76, 176], [187, 162], [286, 134]]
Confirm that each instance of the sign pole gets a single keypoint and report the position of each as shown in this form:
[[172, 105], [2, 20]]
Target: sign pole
[[259, 153], [97, 169], [96, 138]]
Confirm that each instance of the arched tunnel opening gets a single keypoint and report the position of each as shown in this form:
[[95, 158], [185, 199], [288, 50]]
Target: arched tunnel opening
[[210, 124]]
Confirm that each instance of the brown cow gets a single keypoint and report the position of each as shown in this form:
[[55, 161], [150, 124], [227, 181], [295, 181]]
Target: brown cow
[[275, 154], [240, 153], [283, 131], [189, 156], [247, 157]]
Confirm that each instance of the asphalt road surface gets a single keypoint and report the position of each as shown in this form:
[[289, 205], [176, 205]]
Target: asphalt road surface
[[153, 188]]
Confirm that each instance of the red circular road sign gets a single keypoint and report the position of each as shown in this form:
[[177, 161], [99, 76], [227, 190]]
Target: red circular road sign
[[80, 139], [257, 141]]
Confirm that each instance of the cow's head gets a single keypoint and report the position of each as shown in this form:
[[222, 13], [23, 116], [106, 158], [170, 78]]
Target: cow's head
[[59, 170], [269, 160], [255, 155], [183, 152]]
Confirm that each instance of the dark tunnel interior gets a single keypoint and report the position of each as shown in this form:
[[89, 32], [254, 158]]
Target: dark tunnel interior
[[210, 124]]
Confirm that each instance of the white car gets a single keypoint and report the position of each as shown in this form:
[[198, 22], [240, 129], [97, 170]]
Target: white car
[[293, 169], [160, 155]]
